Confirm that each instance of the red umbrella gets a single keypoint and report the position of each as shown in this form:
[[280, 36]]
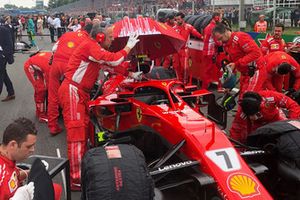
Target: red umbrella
[[156, 39]]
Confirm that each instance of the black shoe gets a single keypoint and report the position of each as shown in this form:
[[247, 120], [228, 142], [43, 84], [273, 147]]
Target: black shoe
[[8, 98]]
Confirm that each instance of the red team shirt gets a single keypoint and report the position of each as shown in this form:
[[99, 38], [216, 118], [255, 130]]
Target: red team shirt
[[271, 44], [9, 181], [85, 63]]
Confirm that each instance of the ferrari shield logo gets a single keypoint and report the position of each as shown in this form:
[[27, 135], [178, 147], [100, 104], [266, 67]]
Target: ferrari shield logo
[[139, 114], [164, 83], [243, 184], [70, 44]]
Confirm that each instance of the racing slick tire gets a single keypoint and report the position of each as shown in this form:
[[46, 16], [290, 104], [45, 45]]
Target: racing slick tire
[[116, 172]]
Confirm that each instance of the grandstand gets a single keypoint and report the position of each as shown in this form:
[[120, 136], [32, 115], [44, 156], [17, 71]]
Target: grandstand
[[130, 7]]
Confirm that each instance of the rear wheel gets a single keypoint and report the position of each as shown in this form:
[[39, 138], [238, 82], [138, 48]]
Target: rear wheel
[[116, 173]]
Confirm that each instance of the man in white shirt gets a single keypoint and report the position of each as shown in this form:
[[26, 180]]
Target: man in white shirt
[[57, 25], [51, 28]]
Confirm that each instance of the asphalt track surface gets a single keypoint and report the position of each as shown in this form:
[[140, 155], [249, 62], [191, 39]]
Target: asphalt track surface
[[23, 106]]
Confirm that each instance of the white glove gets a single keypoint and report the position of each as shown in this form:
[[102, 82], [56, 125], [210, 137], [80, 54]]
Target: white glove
[[137, 76], [25, 192], [46, 164], [132, 40]]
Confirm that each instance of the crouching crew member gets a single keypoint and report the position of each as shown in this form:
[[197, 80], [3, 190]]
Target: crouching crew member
[[263, 107], [37, 70]]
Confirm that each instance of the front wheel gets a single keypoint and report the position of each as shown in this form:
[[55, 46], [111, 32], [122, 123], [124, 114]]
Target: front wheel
[[116, 172]]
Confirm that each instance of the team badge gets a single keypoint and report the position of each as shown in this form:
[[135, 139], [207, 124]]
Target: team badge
[[139, 114], [243, 184], [13, 182], [70, 44], [164, 83]]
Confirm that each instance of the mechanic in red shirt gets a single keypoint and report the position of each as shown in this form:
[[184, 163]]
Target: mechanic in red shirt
[[37, 69], [279, 64], [263, 107], [62, 50], [82, 72], [274, 42], [180, 59], [18, 143], [208, 67], [245, 57]]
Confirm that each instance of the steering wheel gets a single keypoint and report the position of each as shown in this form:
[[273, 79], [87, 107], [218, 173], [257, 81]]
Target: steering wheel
[[160, 101]]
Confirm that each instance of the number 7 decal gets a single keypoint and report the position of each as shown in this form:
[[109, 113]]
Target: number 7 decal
[[226, 159]]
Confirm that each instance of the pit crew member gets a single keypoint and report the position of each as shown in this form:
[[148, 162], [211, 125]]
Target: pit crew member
[[244, 56], [279, 64], [62, 50], [274, 42], [209, 68], [263, 107], [180, 59], [82, 72], [37, 71]]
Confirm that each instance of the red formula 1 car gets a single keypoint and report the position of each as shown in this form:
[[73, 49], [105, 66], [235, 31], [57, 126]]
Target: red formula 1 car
[[182, 146]]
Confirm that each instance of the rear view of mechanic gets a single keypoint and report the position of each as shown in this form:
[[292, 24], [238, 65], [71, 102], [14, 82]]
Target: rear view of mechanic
[[63, 50], [263, 107], [82, 72], [279, 64], [37, 71], [180, 59], [244, 56]]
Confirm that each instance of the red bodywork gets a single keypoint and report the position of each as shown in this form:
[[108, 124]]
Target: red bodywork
[[176, 121]]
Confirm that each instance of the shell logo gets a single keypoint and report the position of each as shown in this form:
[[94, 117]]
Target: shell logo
[[283, 57], [243, 184], [70, 44], [79, 34], [42, 54]]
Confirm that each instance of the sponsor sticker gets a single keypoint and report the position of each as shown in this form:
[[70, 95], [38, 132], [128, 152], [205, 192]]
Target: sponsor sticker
[[226, 159], [295, 124], [13, 182], [113, 152], [243, 185]]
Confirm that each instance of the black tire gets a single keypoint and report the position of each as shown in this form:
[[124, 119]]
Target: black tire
[[198, 23], [186, 18], [205, 22], [192, 20], [122, 176]]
